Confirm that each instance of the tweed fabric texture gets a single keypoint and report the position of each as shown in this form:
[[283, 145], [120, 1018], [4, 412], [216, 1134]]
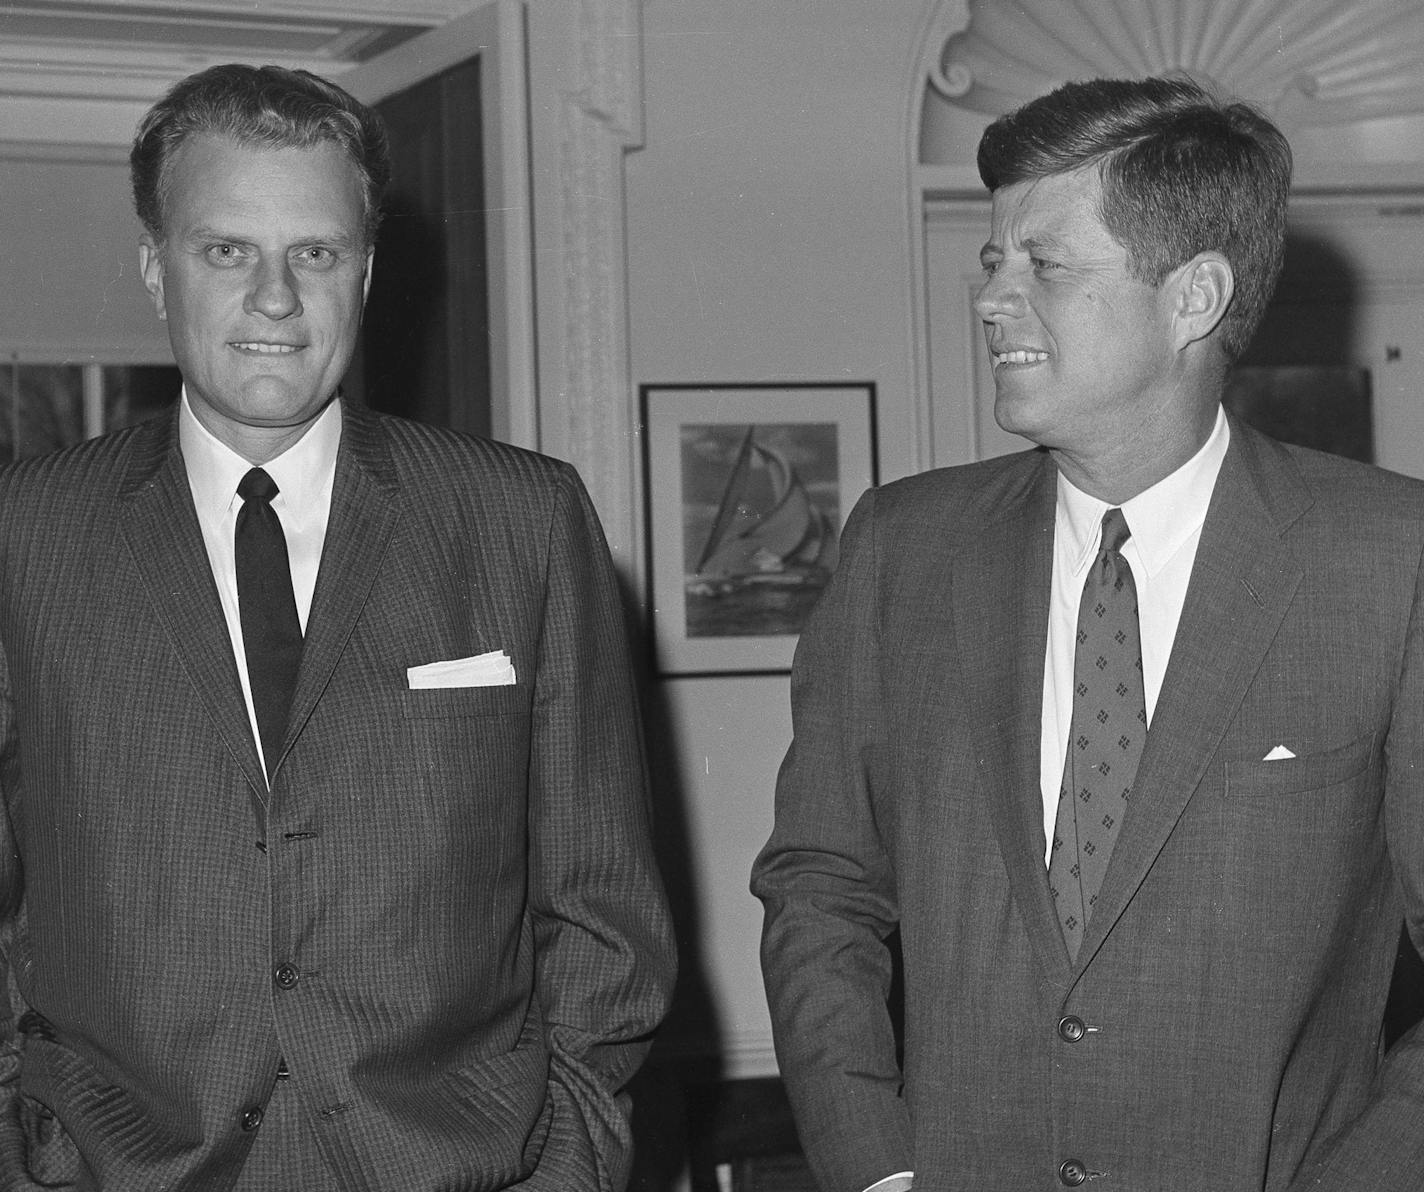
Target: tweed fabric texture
[[1232, 976], [445, 915]]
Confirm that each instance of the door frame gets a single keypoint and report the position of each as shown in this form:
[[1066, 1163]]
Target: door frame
[[495, 33]]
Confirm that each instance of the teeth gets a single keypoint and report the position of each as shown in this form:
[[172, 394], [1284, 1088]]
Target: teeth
[[1019, 357], [266, 349]]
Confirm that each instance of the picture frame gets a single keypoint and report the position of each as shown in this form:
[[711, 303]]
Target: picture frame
[[747, 487]]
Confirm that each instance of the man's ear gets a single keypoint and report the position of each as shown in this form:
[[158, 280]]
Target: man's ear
[[1203, 289], [150, 264]]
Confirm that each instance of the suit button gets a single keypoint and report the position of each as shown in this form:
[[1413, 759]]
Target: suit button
[[1071, 1029], [252, 1118], [1072, 1173], [286, 976]]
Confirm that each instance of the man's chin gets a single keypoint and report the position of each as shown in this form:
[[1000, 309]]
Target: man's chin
[[269, 402], [1014, 417]]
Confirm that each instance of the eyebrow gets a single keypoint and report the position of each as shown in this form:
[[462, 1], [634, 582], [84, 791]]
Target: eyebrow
[[1035, 243], [336, 239]]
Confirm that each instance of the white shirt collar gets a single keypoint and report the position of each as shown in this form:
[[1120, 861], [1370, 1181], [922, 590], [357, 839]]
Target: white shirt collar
[[1161, 518], [302, 473]]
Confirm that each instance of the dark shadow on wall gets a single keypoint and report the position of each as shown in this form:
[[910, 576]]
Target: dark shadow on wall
[[662, 1089], [1300, 380]]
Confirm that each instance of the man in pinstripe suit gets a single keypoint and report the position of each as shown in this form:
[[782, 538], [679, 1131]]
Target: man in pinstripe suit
[[406, 931]]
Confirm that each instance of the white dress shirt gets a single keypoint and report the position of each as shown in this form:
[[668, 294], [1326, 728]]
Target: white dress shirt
[[1165, 521], [303, 474]]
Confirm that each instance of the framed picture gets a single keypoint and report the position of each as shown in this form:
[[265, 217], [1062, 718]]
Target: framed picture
[[747, 487]]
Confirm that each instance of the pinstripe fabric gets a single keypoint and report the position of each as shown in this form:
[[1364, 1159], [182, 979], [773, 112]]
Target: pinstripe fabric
[[445, 916], [285, 1156], [1219, 1028]]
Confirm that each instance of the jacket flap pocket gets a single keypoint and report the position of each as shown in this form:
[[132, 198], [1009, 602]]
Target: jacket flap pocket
[[1247, 777], [464, 701]]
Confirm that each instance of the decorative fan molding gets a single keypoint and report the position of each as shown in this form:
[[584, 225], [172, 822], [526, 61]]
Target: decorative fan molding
[[1307, 62]]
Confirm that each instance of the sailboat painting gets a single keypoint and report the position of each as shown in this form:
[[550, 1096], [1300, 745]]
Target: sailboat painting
[[748, 486], [760, 515]]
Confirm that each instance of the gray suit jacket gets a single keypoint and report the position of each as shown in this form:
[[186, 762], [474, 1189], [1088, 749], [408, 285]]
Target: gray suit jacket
[[445, 916], [1220, 1030]]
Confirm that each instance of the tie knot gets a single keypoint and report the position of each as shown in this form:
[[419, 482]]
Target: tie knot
[[1115, 531], [257, 486]]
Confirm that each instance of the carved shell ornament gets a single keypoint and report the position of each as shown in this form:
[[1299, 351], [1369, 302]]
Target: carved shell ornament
[[1307, 62]]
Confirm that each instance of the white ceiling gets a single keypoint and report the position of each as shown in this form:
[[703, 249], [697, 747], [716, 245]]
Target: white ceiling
[[76, 75]]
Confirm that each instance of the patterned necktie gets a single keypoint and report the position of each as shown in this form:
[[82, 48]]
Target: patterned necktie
[[1109, 728], [271, 632]]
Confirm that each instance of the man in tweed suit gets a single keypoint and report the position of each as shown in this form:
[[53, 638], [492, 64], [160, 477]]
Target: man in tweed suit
[[1203, 1012], [411, 937]]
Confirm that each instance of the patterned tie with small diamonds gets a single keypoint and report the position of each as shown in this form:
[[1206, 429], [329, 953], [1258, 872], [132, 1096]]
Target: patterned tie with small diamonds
[[1109, 729]]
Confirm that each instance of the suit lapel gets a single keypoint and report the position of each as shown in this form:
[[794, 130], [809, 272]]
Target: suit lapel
[[163, 535], [1000, 600], [1243, 580], [363, 515]]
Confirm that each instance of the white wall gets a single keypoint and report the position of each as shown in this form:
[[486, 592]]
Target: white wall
[[70, 247], [768, 240]]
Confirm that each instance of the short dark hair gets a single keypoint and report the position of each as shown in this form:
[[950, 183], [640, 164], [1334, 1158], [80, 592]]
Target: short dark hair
[[1182, 173], [263, 106]]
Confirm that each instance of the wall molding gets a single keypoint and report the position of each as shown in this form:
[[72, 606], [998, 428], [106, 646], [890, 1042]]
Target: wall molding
[[81, 74], [587, 404], [1307, 62]]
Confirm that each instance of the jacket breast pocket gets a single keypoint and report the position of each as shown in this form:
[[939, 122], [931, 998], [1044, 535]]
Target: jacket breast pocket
[[444, 702], [1254, 778]]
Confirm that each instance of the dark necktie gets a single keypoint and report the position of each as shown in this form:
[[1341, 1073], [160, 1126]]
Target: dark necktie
[[1109, 728], [271, 632]]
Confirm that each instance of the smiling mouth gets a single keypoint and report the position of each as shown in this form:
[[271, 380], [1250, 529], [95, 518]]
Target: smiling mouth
[[1019, 356], [262, 349]]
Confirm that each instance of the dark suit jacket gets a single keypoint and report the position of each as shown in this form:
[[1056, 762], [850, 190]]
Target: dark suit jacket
[[1235, 968], [445, 915]]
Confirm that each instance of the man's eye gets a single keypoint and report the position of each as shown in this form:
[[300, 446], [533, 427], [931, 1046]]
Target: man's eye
[[1040, 264], [223, 254], [317, 255], [989, 267]]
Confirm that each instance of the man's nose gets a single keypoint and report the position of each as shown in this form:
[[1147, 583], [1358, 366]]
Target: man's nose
[[274, 291], [999, 297]]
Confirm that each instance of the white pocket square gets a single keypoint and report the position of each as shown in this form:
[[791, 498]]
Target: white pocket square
[[1279, 754], [483, 670]]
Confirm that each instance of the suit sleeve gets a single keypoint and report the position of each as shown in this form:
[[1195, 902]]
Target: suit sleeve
[[1382, 1150], [604, 953], [829, 892], [14, 1176], [12, 1144]]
